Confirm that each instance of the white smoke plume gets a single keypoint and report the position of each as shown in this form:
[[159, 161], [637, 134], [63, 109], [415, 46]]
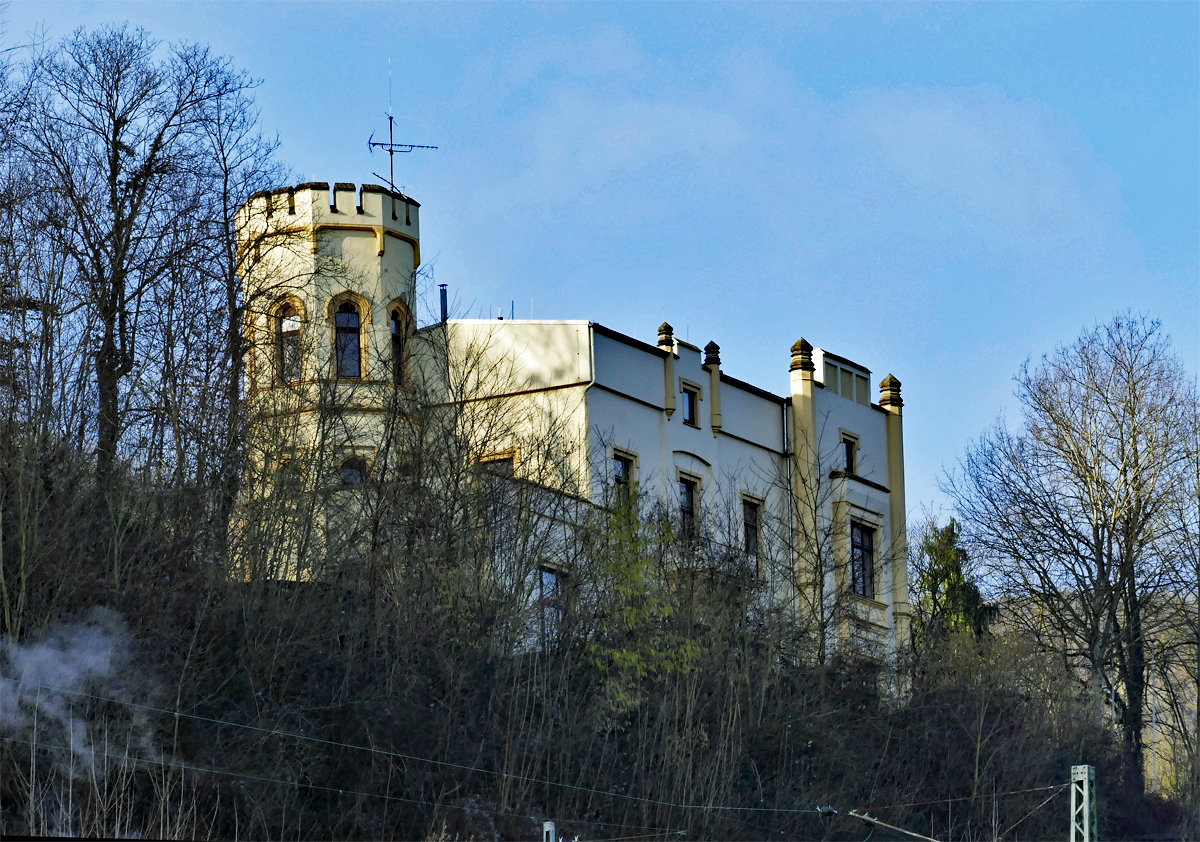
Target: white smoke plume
[[67, 689]]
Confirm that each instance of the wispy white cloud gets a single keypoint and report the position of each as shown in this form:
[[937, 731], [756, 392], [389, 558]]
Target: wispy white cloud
[[604, 51], [1018, 169], [579, 143], [875, 181]]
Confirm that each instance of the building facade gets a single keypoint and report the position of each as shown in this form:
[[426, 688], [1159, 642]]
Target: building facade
[[815, 476]]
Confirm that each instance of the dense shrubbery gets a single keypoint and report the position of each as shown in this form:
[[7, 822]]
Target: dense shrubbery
[[387, 709]]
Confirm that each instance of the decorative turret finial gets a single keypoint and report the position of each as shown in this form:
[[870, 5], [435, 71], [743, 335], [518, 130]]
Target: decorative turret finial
[[712, 354], [802, 356], [666, 337], [889, 392]]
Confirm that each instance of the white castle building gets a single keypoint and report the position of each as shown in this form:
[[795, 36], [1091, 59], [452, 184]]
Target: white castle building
[[330, 283]]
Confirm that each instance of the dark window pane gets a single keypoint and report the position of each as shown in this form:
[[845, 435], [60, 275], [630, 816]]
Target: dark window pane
[[289, 362], [398, 362], [354, 471], [689, 407], [348, 356], [687, 506], [862, 559], [750, 526], [346, 316], [848, 454], [288, 359], [500, 467], [550, 603], [622, 472], [348, 347]]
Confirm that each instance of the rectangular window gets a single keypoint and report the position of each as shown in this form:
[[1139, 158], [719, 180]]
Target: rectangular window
[[862, 559], [691, 410], [750, 527], [687, 507], [289, 353], [623, 472], [348, 345], [500, 467], [550, 603], [849, 456], [289, 345]]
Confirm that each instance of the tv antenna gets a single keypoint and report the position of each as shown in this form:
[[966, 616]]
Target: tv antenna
[[392, 148]]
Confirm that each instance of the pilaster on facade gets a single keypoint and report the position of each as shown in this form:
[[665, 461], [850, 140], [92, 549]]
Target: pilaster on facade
[[336, 357]]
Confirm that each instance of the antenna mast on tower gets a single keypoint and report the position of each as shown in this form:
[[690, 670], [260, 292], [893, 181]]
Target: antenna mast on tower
[[392, 148]]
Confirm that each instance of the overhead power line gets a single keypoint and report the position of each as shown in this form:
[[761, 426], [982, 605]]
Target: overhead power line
[[512, 776], [970, 797], [403, 756], [1053, 795], [187, 767], [892, 827]]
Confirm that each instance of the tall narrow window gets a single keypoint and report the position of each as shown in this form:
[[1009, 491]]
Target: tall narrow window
[[550, 603], [288, 345], [849, 455], [348, 349], [623, 472], [691, 412], [862, 559], [750, 527], [397, 349], [687, 507]]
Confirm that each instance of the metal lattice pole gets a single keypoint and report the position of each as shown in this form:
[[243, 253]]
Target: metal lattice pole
[[1083, 804]]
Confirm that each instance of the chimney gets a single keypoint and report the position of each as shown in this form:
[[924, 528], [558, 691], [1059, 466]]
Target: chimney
[[445, 307]]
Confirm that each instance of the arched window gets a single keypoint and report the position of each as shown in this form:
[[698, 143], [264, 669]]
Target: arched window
[[287, 341], [354, 471], [398, 361], [348, 347]]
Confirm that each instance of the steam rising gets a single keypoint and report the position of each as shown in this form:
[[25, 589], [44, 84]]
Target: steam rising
[[40, 683]]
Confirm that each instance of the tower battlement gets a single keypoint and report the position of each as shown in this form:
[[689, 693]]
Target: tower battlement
[[315, 206]]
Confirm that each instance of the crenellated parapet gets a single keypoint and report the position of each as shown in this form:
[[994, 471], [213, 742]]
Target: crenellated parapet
[[313, 207], [329, 276]]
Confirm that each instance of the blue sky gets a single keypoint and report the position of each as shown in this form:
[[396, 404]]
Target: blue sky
[[936, 191]]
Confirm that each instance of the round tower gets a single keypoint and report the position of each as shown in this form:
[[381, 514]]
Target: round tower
[[329, 282]]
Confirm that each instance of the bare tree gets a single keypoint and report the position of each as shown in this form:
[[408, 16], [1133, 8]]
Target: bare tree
[[118, 140], [1072, 513]]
